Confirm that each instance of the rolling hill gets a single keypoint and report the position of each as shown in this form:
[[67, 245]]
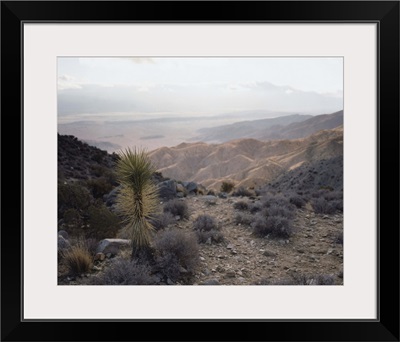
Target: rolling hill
[[246, 162]]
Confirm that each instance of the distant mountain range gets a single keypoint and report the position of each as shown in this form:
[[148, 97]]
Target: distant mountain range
[[248, 162], [284, 127]]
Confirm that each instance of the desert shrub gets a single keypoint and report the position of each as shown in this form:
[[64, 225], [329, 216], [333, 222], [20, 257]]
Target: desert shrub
[[274, 226], [77, 259], [244, 218], [207, 229], [322, 206], [73, 195], [124, 272], [242, 192], [98, 155], [177, 208], [98, 170], [241, 205], [162, 220], [277, 210], [72, 217], [327, 202], [99, 187], [333, 196], [176, 253], [212, 236], [279, 200], [297, 200], [255, 208], [227, 187], [204, 222], [102, 222]]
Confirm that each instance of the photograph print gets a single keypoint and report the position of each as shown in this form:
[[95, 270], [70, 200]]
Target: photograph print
[[200, 170]]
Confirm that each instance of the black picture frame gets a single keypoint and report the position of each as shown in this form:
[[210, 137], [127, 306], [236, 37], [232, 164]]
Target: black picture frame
[[384, 13]]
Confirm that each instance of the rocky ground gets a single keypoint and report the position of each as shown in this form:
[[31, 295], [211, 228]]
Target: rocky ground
[[244, 259]]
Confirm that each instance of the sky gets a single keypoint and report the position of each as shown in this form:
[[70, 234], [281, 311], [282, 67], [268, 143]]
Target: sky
[[152, 87]]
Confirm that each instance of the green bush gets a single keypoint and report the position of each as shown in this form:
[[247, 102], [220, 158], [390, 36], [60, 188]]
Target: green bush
[[102, 222], [72, 217], [72, 195], [99, 187], [227, 187]]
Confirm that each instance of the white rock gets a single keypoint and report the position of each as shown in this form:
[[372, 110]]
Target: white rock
[[112, 245]]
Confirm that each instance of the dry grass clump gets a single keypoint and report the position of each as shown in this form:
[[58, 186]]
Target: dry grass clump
[[227, 187], [77, 258]]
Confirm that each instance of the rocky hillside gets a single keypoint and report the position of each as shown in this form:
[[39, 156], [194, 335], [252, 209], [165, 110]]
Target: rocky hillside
[[79, 160], [326, 173], [288, 233], [246, 162]]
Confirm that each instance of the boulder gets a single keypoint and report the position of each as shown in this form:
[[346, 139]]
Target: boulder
[[191, 186], [63, 243], [209, 199], [64, 234], [223, 195], [167, 189], [112, 246], [99, 256]]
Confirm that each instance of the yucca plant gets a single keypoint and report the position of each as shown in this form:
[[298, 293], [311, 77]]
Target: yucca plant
[[137, 201]]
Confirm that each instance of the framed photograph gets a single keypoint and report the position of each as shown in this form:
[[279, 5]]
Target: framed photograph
[[164, 146]]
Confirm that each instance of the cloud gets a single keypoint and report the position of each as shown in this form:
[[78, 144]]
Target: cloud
[[67, 82]]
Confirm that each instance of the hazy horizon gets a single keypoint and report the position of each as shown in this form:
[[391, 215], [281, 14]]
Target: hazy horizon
[[109, 96]]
